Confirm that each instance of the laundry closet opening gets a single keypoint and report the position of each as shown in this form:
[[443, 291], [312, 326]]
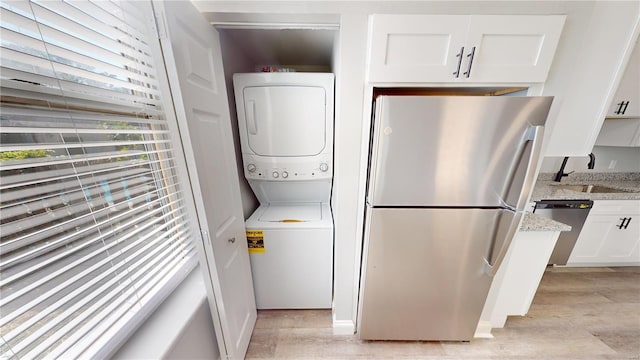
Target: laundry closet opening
[[281, 83]]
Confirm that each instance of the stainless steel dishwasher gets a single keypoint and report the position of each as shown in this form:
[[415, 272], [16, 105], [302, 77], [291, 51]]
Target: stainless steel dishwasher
[[570, 212]]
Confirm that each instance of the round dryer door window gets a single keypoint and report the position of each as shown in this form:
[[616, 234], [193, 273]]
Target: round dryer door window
[[285, 120]]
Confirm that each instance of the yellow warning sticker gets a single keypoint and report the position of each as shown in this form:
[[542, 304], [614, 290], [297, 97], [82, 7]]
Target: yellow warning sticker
[[255, 241]]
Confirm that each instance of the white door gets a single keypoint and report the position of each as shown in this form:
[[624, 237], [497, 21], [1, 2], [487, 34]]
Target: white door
[[193, 57]]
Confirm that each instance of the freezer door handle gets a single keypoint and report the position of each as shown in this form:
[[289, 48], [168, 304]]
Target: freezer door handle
[[523, 177], [504, 234]]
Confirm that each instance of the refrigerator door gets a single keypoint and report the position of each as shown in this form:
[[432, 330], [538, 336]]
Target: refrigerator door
[[426, 271], [454, 150]]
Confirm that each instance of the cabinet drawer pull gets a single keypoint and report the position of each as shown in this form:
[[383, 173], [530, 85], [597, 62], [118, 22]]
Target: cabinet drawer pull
[[622, 107], [470, 56], [624, 223], [459, 56]]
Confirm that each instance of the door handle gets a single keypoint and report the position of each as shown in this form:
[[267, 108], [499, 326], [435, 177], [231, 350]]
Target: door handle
[[533, 145], [624, 223], [252, 126], [470, 56], [492, 269], [459, 56], [624, 108]]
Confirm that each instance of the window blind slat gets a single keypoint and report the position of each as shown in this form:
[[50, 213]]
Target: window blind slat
[[105, 309], [79, 285], [21, 42], [99, 299], [59, 273], [25, 94], [93, 224], [79, 31], [114, 321], [54, 213], [44, 118], [133, 157], [6, 318], [58, 191], [148, 213]]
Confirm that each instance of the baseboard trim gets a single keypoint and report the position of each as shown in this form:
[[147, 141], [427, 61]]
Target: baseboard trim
[[483, 331], [343, 327], [611, 264]]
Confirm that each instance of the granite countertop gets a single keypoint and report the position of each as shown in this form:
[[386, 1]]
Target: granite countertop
[[546, 189], [533, 222]]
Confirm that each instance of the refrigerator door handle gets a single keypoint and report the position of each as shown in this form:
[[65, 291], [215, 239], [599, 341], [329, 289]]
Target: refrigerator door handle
[[509, 234], [533, 146]]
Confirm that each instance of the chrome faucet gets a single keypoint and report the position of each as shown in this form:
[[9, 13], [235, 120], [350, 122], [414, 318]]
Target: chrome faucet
[[560, 174]]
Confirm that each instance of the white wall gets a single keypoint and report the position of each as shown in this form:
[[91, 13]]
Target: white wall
[[608, 159], [181, 328]]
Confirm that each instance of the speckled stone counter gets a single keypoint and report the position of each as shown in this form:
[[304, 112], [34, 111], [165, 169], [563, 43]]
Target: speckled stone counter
[[547, 189], [533, 222]]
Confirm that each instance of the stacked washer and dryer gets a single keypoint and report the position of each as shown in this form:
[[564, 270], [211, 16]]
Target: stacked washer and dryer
[[285, 122]]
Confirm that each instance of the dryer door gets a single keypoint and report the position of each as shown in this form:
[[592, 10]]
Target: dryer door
[[285, 120]]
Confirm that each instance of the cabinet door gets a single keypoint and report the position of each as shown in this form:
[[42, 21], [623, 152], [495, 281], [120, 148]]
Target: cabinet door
[[604, 241], [415, 48], [460, 48], [626, 103], [622, 243], [619, 132], [511, 48]]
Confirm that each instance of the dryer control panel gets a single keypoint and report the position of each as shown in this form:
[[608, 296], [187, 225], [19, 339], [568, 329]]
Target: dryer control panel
[[287, 170]]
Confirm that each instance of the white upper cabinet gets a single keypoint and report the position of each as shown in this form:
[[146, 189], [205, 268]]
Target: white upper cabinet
[[626, 103], [619, 132], [462, 48]]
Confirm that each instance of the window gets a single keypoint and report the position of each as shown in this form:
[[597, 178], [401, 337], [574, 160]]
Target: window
[[94, 231]]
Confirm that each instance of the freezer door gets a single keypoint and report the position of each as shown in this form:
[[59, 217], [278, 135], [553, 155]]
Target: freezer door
[[426, 272], [455, 150]]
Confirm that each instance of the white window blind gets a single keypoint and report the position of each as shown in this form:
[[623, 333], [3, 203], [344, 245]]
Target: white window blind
[[93, 224]]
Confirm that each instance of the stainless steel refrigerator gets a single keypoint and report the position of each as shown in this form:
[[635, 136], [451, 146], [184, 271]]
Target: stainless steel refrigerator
[[449, 178]]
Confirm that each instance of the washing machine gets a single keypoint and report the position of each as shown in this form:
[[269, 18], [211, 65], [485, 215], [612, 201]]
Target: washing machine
[[285, 122]]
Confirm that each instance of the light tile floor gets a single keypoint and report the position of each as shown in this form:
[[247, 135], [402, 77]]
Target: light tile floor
[[577, 313]]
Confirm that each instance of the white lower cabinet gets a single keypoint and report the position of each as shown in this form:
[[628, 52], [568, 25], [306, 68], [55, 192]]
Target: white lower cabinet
[[610, 236], [517, 280]]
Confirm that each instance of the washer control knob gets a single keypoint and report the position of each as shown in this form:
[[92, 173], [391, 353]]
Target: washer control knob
[[285, 174], [251, 168], [275, 174], [324, 167]]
